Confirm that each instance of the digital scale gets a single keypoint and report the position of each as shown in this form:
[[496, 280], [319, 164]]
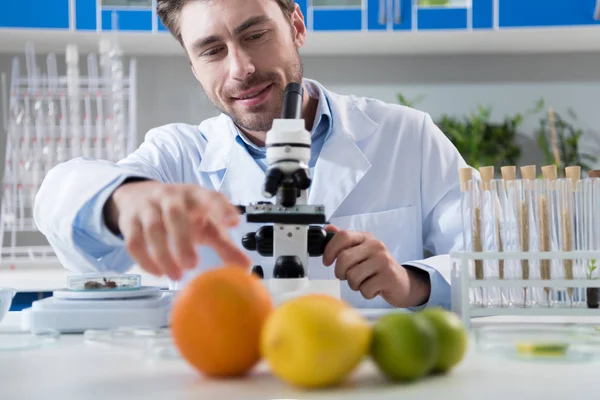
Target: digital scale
[[100, 302]]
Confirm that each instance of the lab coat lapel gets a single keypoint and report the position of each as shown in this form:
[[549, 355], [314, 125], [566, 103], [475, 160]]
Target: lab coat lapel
[[341, 164], [243, 178]]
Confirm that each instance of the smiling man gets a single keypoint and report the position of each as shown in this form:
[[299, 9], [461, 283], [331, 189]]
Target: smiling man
[[387, 176]]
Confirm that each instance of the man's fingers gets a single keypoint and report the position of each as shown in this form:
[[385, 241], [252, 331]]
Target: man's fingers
[[341, 241], [215, 236], [332, 228], [216, 206], [156, 236], [179, 228], [136, 246], [359, 273], [373, 286], [350, 257]]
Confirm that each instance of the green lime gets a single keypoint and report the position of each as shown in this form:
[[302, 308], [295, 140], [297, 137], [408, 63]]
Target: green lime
[[403, 346], [452, 337]]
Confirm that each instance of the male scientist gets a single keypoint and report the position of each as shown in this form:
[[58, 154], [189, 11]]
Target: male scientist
[[387, 176]]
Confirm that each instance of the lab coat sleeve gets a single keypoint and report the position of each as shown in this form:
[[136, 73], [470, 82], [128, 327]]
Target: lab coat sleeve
[[68, 206], [441, 213]]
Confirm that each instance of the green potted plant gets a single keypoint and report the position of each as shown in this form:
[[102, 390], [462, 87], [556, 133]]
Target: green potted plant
[[558, 138], [592, 292], [480, 141]]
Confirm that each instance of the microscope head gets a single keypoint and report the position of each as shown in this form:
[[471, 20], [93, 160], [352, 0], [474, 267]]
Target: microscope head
[[288, 150]]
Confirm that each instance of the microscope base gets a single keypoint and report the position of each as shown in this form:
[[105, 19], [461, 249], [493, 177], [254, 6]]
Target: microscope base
[[279, 286], [329, 287]]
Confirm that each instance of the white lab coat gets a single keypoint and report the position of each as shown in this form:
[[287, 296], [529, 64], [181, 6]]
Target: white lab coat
[[385, 169]]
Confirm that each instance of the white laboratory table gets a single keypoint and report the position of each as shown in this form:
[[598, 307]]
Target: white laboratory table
[[72, 369]]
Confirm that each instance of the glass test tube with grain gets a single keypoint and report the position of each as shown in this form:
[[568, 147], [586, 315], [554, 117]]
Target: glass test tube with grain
[[493, 268], [479, 294], [527, 231], [508, 239]]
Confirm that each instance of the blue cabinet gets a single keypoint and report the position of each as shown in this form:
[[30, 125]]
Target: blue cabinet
[[402, 15], [127, 20], [482, 14], [547, 13], [442, 18], [85, 15], [335, 15], [42, 14]]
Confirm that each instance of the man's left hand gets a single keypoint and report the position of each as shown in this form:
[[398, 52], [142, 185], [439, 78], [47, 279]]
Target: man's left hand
[[369, 268]]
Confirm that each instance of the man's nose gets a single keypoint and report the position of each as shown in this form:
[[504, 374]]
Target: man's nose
[[240, 65]]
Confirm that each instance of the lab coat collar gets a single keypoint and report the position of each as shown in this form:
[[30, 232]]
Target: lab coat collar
[[340, 166]]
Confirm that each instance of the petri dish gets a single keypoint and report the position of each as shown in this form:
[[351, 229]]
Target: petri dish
[[154, 343], [15, 339], [104, 282], [540, 342]]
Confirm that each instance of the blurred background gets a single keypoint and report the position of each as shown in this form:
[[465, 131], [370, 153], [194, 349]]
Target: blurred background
[[508, 81]]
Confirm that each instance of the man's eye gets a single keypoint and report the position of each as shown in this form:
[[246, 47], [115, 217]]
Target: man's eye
[[256, 36], [212, 52]]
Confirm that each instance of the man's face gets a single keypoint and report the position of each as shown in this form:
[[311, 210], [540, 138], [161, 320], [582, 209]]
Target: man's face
[[243, 53]]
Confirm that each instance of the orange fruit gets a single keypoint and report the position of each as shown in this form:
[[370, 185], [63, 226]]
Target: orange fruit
[[216, 321]]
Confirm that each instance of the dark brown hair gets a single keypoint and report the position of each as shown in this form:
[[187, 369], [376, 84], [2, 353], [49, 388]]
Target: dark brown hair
[[168, 11]]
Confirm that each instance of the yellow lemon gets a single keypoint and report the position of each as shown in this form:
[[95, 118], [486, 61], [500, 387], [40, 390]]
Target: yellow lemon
[[314, 341]]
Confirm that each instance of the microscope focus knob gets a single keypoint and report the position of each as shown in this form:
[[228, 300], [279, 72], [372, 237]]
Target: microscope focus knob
[[249, 241], [264, 241], [258, 271], [318, 238]]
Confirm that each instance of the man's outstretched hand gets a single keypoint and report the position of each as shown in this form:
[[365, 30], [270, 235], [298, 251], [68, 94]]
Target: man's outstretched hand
[[369, 268], [151, 215]]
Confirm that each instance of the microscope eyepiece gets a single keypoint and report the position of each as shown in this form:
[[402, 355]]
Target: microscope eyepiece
[[292, 101]]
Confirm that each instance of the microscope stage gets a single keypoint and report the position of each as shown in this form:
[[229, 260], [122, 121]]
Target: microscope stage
[[300, 214]]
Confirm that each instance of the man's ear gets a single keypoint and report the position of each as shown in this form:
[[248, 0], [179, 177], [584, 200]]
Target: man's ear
[[297, 21]]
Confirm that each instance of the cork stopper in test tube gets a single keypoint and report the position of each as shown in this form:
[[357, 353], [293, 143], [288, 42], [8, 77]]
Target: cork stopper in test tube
[[509, 172], [487, 174], [573, 173], [550, 172], [594, 174], [528, 172], [465, 175]]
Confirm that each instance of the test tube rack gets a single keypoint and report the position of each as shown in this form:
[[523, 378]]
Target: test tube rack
[[466, 288], [531, 246], [51, 118]]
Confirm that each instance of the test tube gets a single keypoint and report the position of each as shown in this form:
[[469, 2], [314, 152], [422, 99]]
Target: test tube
[[479, 295], [507, 194], [465, 175], [548, 205], [573, 187], [490, 233], [527, 232], [594, 177]]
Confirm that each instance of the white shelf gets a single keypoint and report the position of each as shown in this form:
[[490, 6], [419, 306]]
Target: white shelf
[[505, 41]]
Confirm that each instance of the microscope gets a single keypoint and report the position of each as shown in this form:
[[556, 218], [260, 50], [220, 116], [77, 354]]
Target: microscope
[[293, 229]]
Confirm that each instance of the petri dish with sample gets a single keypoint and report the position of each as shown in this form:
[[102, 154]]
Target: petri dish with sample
[[538, 342]]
